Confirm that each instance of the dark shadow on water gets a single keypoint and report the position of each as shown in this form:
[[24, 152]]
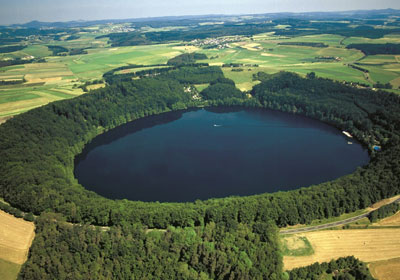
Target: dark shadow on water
[[128, 128]]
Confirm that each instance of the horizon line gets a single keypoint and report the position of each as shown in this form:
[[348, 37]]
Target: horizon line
[[196, 15]]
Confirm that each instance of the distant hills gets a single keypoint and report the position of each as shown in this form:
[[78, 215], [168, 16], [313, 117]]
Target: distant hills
[[350, 15]]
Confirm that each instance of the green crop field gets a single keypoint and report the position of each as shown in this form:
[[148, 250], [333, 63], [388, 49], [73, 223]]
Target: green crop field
[[9, 270]]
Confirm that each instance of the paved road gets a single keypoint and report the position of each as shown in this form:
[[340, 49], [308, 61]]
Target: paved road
[[329, 225]]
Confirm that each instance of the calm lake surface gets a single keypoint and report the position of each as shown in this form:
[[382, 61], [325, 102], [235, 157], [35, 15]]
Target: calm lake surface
[[205, 153]]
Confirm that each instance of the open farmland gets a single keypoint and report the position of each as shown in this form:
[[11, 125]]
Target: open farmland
[[366, 244], [60, 76]]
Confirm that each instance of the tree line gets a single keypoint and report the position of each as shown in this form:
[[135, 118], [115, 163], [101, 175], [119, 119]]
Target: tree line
[[348, 268], [372, 49]]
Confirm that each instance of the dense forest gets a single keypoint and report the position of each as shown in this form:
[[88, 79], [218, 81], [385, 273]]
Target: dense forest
[[304, 44], [341, 269], [372, 49], [132, 252], [57, 50], [186, 58], [8, 49], [37, 151], [62, 51], [19, 61]]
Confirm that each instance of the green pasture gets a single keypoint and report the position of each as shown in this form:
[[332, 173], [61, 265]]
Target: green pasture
[[391, 38], [36, 51], [9, 270], [97, 62], [379, 59], [328, 39], [7, 96]]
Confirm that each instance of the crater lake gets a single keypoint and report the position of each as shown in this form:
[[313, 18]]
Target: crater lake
[[215, 152]]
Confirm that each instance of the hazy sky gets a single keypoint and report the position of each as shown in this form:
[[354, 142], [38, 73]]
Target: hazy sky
[[21, 11]]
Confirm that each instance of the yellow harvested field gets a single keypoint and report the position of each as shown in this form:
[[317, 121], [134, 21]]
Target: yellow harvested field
[[16, 236], [13, 108], [4, 119], [186, 48], [31, 80], [386, 270], [171, 54], [96, 86], [246, 86], [216, 63], [383, 202], [11, 77], [273, 55], [366, 244], [390, 221], [251, 48]]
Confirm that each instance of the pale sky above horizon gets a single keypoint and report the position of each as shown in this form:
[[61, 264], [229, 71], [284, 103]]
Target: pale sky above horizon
[[22, 11]]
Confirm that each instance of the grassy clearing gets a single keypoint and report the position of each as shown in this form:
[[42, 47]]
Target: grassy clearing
[[200, 87], [244, 79], [385, 270], [16, 236], [9, 270], [366, 244], [296, 246]]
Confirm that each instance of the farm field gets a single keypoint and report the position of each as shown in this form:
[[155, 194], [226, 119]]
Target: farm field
[[60, 76], [16, 236], [368, 245], [9, 270], [386, 270]]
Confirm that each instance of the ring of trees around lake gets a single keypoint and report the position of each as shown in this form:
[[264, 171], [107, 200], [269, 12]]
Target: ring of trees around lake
[[225, 238]]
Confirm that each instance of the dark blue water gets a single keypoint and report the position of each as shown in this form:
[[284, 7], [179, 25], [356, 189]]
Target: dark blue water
[[184, 156]]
